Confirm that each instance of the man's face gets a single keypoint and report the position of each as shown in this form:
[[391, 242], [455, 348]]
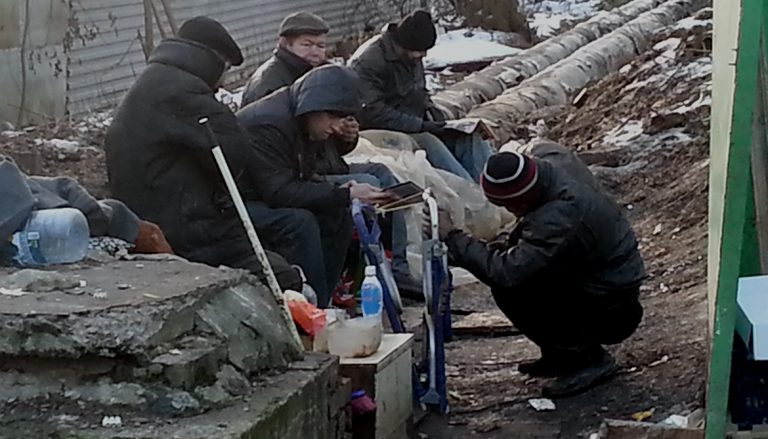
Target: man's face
[[322, 125], [310, 48]]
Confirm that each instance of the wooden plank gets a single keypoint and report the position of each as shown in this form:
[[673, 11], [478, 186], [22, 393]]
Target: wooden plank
[[493, 323], [614, 429]]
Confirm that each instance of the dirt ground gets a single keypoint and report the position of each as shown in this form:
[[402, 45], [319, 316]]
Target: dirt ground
[[660, 176]]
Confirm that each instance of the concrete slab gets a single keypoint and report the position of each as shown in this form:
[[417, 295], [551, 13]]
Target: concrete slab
[[301, 403]]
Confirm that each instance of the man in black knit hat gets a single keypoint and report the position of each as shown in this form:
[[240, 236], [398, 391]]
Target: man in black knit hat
[[160, 163], [396, 99], [568, 276]]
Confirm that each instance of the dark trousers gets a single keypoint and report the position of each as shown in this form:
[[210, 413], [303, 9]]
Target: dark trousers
[[561, 317], [316, 243]]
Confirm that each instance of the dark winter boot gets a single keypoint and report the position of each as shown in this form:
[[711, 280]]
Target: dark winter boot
[[601, 368], [555, 362]]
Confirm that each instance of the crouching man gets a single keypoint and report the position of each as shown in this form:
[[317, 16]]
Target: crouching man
[[568, 276]]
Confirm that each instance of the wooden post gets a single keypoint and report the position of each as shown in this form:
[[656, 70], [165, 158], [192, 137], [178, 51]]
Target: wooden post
[[149, 32], [169, 15]]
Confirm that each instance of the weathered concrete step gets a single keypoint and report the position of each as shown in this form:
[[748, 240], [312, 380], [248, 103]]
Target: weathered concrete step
[[304, 402]]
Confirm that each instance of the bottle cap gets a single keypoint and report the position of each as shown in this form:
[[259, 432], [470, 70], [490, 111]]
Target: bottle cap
[[370, 270]]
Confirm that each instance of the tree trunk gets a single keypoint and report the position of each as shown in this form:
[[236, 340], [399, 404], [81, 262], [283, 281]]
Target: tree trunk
[[490, 82], [557, 84]]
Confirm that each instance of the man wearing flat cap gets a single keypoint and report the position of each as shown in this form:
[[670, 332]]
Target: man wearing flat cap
[[301, 46], [568, 276], [159, 157]]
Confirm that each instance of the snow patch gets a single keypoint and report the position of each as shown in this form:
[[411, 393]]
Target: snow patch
[[467, 46], [704, 100], [547, 16], [625, 133]]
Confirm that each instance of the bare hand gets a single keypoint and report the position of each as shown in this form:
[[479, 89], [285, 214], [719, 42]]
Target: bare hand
[[348, 129], [368, 194], [444, 223]]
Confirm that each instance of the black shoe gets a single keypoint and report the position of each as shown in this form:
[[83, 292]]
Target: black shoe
[[543, 367], [600, 369]]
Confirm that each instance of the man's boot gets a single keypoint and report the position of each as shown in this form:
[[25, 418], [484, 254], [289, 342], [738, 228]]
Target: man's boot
[[553, 363], [600, 368], [409, 287]]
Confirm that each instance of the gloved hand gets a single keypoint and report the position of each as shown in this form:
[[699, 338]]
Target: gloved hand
[[434, 114], [151, 240], [436, 128]]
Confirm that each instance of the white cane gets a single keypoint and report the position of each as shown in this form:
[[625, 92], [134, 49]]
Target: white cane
[[261, 255]]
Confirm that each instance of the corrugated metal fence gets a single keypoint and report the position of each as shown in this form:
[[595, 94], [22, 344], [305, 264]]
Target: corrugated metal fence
[[105, 50]]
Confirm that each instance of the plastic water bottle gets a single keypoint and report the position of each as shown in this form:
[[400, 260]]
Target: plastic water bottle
[[371, 293], [52, 236]]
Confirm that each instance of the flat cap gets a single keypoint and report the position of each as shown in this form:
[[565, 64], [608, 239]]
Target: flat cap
[[300, 23]]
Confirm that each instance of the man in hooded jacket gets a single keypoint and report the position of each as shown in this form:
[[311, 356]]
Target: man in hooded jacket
[[288, 129], [301, 47], [159, 158]]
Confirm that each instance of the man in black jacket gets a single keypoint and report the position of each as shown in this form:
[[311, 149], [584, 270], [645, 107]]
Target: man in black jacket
[[568, 276], [396, 99], [159, 159], [288, 129], [300, 48]]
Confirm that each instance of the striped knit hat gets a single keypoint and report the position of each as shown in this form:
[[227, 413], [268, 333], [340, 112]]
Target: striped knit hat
[[507, 177]]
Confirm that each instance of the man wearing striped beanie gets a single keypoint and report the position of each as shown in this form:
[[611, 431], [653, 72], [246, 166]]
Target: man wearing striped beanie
[[568, 276]]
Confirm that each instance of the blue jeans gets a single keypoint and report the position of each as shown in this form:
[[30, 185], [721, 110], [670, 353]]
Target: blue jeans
[[471, 151], [440, 156], [380, 176]]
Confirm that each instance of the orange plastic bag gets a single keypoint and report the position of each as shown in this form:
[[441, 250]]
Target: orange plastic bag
[[309, 317]]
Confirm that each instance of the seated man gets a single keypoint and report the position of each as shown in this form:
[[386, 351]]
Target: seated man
[[288, 129], [159, 158], [301, 47], [568, 276], [395, 96]]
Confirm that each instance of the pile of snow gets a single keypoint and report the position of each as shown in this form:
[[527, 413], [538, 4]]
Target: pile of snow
[[545, 17], [464, 46]]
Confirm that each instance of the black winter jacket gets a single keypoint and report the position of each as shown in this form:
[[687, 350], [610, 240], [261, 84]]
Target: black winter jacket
[[282, 70], [578, 235], [159, 159], [284, 164], [394, 91]]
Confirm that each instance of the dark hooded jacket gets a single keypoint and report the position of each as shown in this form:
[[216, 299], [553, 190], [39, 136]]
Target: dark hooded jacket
[[159, 159], [395, 95], [578, 235], [284, 164], [281, 70]]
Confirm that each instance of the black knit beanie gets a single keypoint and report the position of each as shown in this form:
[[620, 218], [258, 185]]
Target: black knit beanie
[[416, 32], [212, 35], [508, 177]]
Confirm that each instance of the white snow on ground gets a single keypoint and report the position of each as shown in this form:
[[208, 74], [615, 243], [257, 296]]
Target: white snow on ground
[[466, 46], [546, 16]]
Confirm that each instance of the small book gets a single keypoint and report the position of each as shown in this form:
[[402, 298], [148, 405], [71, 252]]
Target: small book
[[404, 195], [472, 125]]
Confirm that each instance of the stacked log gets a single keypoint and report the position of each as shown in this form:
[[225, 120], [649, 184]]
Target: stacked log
[[557, 84], [482, 86]]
